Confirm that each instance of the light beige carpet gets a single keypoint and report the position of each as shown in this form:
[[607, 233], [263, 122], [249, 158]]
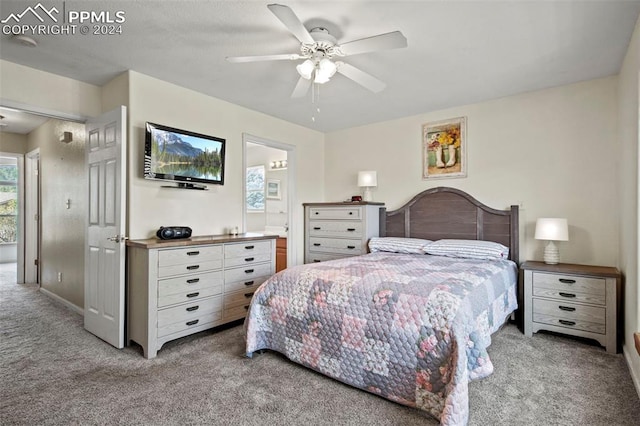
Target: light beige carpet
[[52, 372]]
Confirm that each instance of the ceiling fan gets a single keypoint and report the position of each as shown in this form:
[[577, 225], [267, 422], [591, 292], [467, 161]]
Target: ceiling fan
[[318, 48]]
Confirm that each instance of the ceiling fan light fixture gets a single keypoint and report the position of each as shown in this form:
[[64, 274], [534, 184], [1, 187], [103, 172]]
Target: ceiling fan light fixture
[[325, 70], [306, 68]]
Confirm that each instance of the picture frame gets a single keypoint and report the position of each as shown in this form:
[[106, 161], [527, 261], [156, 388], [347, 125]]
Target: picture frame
[[273, 189], [444, 149]]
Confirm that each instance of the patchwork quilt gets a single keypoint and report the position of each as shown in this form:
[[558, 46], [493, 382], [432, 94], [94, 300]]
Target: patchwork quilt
[[411, 328]]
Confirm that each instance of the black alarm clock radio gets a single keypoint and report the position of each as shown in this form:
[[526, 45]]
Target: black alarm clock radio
[[173, 232]]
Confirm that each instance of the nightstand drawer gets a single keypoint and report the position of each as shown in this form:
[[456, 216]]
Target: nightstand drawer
[[587, 318], [570, 283]]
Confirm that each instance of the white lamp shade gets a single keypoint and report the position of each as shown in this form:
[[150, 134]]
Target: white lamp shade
[[305, 69], [326, 70], [552, 229], [368, 178]]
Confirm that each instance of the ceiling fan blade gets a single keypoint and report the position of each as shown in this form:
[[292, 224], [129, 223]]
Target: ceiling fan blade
[[291, 21], [301, 88], [392, 40], [282, 57], [362, 78]]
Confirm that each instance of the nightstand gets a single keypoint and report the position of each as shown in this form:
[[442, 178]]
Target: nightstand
[[579, 300]]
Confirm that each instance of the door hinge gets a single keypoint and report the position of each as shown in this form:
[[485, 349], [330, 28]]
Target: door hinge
[[35, 262], [35, 216]]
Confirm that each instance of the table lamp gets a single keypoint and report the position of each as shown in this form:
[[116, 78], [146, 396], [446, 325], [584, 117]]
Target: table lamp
[[552, 229], [367, 180]]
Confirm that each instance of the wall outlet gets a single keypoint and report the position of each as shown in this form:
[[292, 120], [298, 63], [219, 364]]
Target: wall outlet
[[59, 277]]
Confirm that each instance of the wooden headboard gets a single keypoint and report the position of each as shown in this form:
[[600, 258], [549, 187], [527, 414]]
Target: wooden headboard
[[444, 212]]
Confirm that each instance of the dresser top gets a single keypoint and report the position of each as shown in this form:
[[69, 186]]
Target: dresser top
[[344, 204], [199, 240], [569, 268]]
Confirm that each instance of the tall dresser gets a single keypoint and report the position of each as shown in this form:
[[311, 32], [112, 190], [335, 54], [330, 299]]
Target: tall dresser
[[336, 230], [179, 287]]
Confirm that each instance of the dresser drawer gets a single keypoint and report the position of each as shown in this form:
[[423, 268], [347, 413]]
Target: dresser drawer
[[189, 255], [336, 245], [580, 317], [247, 259], [188, 311], [563, 287], [323, 257], [199, 323], [189, 283], [238, 298], [252, 248], [239, 312], [335, 213], [321, 228], [247, 285], [189, 295], [248, 273], [188, 268]]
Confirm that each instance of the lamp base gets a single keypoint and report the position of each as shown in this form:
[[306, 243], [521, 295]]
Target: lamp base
[[366, 195], [551, 254]]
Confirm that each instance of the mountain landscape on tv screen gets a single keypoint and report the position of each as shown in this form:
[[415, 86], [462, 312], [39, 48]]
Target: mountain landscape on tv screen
[[171, 155]]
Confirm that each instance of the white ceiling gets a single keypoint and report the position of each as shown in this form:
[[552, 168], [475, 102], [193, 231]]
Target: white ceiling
[[458, 52]]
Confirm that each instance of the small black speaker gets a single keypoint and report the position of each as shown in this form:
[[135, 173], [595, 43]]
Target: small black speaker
[[173, 232]]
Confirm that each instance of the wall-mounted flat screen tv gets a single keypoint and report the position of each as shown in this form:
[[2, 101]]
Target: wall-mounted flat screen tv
[[185, 157]]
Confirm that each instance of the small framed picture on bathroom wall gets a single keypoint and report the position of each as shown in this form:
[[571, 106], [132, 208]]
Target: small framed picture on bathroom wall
[[273, 189], [444, 148]]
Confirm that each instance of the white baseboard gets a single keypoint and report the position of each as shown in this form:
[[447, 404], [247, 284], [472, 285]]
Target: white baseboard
[[634, 374], [65, 302]]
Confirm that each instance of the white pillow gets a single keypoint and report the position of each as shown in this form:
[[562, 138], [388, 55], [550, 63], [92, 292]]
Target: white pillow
[[470, 249], [398, 245]]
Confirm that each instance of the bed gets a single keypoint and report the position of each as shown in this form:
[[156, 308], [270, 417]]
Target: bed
[[399, 322]]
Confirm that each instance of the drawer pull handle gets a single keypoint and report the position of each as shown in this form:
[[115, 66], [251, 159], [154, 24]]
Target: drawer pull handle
[[565, 322], [193, 267], [351, 229], [192, 308], [249, 259], [316, 213], [193, 280], [317, 261], [193, 253], [316, 244], [567, 294], [248, 295], [567, 308], [566, 281], [248, 271], [194, 322], [316, 228], [248, 283], [350, 213], [351, 247], [249, 247], [197, 293]]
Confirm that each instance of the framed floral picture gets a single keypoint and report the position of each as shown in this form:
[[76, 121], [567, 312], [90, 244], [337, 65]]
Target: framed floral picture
[[444, 149]]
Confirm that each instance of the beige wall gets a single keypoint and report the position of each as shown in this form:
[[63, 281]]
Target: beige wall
[[210, 212], [62, 177], [51, 92], [627, 161], [13, 143], [552, 151]]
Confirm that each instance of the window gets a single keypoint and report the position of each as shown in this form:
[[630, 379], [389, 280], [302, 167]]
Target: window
[[8, 200], [255, 189]]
